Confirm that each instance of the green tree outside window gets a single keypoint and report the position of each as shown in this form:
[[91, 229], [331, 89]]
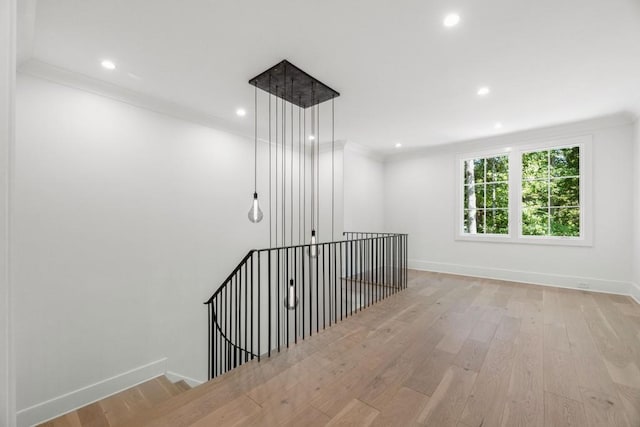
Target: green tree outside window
[[551, 192], [486, 195]]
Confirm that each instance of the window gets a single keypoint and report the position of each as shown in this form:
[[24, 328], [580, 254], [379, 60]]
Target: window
[[551, 192], [537, 193], [486, 195]]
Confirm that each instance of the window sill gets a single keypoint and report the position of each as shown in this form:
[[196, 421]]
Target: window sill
[[541, 241], [489, 238]]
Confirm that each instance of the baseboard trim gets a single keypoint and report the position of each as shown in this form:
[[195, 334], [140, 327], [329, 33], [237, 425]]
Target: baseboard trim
[[175, 377], [635, 292], [535, 278], [71, 401]]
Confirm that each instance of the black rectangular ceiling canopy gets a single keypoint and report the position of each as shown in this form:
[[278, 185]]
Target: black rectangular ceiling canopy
[[289, 82]]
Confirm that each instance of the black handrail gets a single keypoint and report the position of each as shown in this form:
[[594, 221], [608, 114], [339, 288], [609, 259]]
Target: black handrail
[[308, 287], [235, 270]]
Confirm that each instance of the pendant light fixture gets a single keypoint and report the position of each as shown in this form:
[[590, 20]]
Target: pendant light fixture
[[291, 301], [291, 87], [255, 213], [313, 249]]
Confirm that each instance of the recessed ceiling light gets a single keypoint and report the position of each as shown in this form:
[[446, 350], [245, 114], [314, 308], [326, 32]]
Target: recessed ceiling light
[[312, 138], [398, 145], [109, 65], [451, 20], [498, 125], [483, 91], [241, 112]]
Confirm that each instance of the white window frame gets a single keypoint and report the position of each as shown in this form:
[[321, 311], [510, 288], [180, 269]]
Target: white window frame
[[460, 171], [515, 153]]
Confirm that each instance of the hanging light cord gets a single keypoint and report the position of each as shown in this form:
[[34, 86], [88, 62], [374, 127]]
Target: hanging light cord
[[318, 173], [291, 158], [255, 143], [299, 172], [333, 173], [284, 168], [313, 160], [304, 173], [270, 210], [276, 171]]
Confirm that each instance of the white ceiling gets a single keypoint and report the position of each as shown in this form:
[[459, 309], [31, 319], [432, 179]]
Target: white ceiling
[[403, 76]]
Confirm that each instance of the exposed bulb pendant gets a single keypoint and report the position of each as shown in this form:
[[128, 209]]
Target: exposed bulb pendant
[[291, 302], [255, 213], [313, 249]]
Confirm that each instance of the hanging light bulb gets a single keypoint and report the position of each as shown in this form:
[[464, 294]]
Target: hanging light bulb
[[291, 302], [255, 213], [313, 249]]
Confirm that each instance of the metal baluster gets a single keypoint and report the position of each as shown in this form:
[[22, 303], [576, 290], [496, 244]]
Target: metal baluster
[[219, 335], [375, 267], [238, 296], [278, 297], [360, 267], [302, 275], [227, 323], [342, 298], [244, 346], [259, 306], [286, 291], [367, 271], [367, 258], [269, 301], [295, 295], [310, 293], [324, 291], [335, 283], [209, 342], [317, 288], [351, 277]]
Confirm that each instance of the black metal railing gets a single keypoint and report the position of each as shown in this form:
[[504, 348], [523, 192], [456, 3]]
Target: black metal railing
[[277, 296]]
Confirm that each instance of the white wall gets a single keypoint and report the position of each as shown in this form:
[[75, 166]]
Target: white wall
[[7, 88], [421, 200], [636, 214], [364, 190], [126, 221], [326, 158]]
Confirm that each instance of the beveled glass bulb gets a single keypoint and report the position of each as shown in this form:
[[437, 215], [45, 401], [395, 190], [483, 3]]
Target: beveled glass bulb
[[255, 213], [313, 249], [291, 302]]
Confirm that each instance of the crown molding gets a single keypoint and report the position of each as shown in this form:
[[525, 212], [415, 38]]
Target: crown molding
[[72, 79], [364, 151], [522, 137], [327, 146]]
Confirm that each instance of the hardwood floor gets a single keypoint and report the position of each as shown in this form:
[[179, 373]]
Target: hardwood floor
[[448, 351], [114, 410]]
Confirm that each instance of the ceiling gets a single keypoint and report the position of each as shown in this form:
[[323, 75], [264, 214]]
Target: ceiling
[[403, 77]]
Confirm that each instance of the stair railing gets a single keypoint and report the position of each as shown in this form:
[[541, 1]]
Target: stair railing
[[277, 296]]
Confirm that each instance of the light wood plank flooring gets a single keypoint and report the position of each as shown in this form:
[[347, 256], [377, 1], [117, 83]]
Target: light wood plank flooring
[[449, 351], [116, 409]]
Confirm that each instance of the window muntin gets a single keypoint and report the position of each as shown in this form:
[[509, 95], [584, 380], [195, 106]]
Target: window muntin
[[550, 194], [486, 195], [557, 193]]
